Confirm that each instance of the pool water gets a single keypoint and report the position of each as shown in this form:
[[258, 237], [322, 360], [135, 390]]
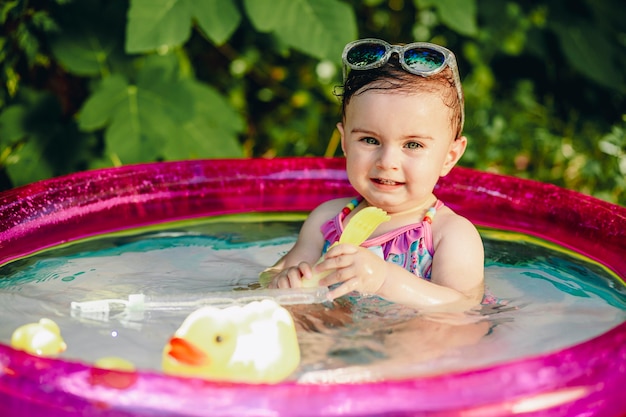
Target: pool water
[[549, 298]]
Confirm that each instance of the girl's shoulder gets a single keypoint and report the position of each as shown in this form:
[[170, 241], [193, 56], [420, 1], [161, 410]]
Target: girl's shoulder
[[332, 207], [449, 223], [327, 210]]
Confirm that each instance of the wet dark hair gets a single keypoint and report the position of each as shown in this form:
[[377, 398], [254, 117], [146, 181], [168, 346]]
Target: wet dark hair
[[392, 76]]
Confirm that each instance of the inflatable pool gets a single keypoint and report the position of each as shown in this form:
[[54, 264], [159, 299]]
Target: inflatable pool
[[583, 379]]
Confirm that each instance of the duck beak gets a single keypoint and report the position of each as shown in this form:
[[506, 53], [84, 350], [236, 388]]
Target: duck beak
[[186, 353]]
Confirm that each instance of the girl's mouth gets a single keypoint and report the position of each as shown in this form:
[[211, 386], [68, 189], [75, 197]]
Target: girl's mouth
[[384, 181]]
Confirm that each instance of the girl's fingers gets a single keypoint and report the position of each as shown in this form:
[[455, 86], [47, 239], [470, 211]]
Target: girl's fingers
[[282, 281], [289, 278], [306, 271], [295, 277], [343, 289], [331, 263], [340, 275], [335, 260], [342, 249]]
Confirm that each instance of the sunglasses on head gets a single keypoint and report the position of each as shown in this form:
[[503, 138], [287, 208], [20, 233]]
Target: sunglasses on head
[[420, 58]]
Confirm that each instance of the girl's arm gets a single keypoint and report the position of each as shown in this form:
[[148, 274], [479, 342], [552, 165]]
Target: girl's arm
[[296, 264], [459, 259], [457, 271]]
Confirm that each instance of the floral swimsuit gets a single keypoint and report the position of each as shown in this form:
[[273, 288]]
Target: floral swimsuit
[[410, 246]]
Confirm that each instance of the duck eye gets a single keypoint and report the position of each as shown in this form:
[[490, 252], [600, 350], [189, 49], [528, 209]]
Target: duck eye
[[218, 339]]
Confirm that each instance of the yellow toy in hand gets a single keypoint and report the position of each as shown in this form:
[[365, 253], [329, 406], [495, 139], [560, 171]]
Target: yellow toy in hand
[[358, 229], [42, 338], [254, 343]]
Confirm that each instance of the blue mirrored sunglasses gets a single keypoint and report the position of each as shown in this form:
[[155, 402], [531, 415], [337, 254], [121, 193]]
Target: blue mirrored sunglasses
[[420, 58]]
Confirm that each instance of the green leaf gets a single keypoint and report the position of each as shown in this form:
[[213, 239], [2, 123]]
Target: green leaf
[[82, 54], [43, 145], [265, 14], [102, 106], [155, 24], [319, 28], [31, 165], [42, 21], [45, 155], [458, 15], [115, 105], [161, 116], [88, 42], [12, 124], [422, 4], [589, 52], [6, 8], [218, 19], [212, 132]]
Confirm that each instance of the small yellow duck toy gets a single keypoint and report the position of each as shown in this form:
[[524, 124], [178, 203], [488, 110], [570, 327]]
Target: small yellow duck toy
[[254, 343], [113, 372], [42, 338]]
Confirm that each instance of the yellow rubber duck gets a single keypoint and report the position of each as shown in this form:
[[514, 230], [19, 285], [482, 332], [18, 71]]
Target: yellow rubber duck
[[42, 338], [254, 343], [113, 372]]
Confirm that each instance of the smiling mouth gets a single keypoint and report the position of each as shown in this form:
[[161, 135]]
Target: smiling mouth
[[385, 181]]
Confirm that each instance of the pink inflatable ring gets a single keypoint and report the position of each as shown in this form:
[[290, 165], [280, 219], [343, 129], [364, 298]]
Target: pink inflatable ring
[[588, 378]]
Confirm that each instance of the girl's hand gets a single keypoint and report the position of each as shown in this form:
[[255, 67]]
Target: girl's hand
[[292, 277], [357, 268]]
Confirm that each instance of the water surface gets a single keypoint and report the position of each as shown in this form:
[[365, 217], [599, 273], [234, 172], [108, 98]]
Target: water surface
[[549, 299]]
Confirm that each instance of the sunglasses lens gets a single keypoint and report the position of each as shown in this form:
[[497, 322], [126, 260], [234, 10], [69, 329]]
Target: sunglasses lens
[[424, 59], [365, 54]]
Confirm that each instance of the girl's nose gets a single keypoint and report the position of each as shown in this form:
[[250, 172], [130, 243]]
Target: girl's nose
[[388, 158]]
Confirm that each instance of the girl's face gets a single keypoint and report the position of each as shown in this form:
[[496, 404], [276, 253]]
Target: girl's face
[[397, 145]]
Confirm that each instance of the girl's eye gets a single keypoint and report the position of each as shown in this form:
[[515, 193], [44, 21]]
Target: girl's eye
[[413, 145], [370, 141]]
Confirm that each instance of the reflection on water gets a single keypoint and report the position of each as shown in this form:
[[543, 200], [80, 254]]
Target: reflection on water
[[548, 299]]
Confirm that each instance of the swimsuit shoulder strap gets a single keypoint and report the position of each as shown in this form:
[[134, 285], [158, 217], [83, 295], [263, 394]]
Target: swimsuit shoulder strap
[[430, 213], [349, 207]]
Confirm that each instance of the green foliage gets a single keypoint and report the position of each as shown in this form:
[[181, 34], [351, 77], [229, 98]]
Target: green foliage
[[158, 24], [93, 83], [458, 15], [319, 28]]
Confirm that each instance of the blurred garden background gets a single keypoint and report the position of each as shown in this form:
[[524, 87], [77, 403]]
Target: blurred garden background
[[95, 83]]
